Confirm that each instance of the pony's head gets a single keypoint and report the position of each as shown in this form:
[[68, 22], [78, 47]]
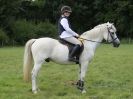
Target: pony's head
[[110, 35]]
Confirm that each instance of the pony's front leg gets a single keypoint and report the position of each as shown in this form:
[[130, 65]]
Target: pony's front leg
[[83, 69], [34, 76]]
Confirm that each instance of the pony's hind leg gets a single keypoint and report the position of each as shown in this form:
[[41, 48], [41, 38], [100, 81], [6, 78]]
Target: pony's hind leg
[[35, 71]]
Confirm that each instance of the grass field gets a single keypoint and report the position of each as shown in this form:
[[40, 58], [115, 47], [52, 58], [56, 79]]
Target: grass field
[[109, 76]]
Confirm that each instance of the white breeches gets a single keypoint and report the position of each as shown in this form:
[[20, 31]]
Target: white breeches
[[72, 40]]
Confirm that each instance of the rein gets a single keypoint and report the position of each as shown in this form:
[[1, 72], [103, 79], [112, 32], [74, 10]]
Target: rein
[[81, 39]]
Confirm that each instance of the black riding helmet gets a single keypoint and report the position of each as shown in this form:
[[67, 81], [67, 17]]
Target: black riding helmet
[[65, 9]]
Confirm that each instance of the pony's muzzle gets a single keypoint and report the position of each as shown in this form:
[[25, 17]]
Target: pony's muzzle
[[116, 43]]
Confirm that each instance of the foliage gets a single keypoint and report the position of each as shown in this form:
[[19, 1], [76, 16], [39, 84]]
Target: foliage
[[24, 30], [46, 29], [39, 3], [109, 76], [3, 37], [86, 14], [8, 11]]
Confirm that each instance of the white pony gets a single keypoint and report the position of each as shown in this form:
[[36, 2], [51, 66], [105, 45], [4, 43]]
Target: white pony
[[42, 49]]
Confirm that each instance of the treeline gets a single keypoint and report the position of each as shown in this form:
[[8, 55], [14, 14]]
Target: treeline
[[21, 20]]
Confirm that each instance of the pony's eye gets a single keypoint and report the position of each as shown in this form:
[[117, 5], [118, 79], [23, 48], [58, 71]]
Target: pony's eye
[[112, 33]]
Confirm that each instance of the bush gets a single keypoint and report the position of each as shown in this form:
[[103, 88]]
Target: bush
[[46, 30], [24, 30], [3, 37], [127, 41]]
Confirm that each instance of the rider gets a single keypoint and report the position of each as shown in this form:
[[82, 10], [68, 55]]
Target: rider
[[66, 33]]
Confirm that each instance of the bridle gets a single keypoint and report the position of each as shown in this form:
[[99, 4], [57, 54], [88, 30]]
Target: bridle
[[107, 41], [111, 34]]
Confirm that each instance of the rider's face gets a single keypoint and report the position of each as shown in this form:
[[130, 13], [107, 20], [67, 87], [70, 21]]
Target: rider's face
[[67, 14]]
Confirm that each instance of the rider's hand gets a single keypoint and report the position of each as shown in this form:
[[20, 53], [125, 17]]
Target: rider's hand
[[77, 35]]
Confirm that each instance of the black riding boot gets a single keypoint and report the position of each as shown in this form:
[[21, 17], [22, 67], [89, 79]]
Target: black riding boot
[[73, 53]]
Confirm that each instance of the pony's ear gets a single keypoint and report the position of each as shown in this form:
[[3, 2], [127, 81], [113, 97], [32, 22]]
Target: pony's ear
[[108, 22]]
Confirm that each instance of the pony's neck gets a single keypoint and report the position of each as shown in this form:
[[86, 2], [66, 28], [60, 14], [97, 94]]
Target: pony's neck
[[95, 35]]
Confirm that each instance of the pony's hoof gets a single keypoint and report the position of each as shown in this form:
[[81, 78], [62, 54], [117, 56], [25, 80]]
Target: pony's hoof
[[34, 92], [83, 91]]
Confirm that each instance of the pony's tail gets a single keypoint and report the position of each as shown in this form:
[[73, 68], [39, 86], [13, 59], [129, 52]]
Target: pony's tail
[[28, 60]]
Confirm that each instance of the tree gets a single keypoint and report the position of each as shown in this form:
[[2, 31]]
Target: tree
[[8, 11], [86, 14]]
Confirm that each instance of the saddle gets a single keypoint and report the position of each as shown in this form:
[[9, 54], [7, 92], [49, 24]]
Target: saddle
[[71, 46]]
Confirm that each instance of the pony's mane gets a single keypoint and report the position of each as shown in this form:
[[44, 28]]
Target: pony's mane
[[105, 24], [93, 32], [100, 25]]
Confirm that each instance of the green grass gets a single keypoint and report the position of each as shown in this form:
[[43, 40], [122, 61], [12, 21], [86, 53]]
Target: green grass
[[109, 76]]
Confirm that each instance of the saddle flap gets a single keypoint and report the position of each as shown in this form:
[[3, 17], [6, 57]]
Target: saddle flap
[[71, 46]]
